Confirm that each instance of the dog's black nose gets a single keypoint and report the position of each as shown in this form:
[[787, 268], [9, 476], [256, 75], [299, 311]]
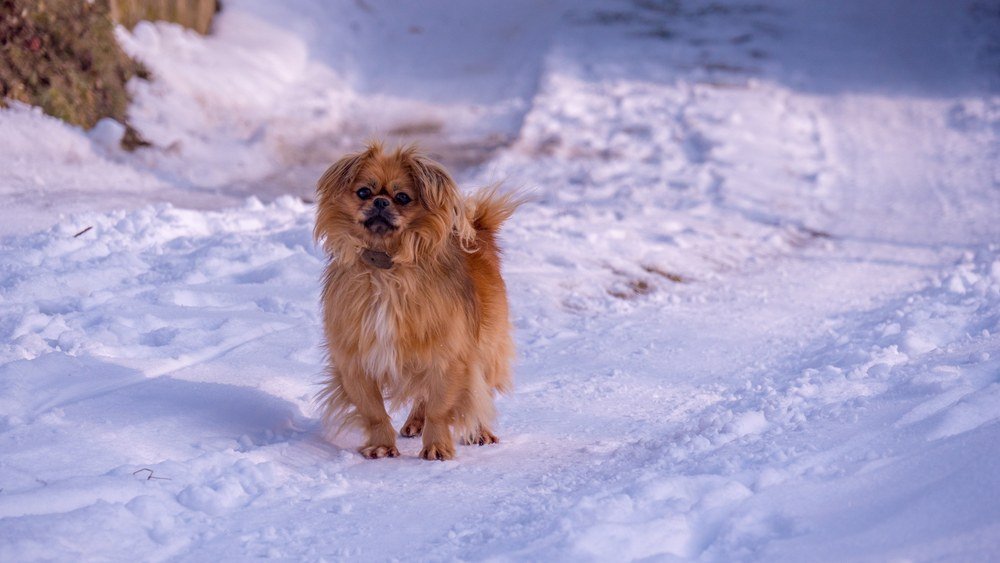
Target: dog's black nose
[[381, 203]]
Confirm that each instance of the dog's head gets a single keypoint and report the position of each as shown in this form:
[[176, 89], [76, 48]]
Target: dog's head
[[400, 203]]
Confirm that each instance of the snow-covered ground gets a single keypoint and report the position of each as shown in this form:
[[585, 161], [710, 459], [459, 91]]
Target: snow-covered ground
[[757, 300]]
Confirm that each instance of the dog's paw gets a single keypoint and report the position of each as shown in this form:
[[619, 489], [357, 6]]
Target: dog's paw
[[485, 437], [412, 428], [376, 452], [439, 452]]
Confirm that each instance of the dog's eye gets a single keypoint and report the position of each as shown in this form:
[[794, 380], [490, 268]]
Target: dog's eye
[[364, 193], [402, 198]]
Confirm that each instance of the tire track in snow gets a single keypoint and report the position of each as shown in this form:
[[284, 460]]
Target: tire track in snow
[[211, 353]]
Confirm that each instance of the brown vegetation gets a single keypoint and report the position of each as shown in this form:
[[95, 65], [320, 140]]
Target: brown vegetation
[[195, 14], [62, 55]]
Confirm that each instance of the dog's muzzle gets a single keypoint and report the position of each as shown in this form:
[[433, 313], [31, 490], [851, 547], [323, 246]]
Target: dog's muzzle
[[379, 222]]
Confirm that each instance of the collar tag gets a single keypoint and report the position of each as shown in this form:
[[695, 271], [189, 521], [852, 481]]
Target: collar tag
[[376, 259]]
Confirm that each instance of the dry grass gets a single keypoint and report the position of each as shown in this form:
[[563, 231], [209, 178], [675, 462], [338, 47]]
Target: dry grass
[[62, 55], [195, 14]]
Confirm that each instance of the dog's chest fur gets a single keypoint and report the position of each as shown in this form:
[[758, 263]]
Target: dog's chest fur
[[404, 325], [381, 330]]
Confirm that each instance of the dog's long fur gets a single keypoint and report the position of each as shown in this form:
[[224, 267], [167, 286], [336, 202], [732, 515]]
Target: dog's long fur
[[431, 330]]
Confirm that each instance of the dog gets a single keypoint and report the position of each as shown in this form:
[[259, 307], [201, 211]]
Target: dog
[[414, 306]]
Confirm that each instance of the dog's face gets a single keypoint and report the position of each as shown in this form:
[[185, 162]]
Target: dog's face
[[384, 200], [400, 203]]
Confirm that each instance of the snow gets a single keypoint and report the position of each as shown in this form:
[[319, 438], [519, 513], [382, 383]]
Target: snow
[[756, 300]]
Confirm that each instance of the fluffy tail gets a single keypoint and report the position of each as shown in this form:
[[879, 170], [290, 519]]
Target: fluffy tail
[[490, 207]]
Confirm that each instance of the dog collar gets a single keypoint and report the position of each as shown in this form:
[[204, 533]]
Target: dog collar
[[376, 259]]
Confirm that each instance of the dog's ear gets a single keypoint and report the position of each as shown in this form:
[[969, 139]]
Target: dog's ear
[[439, 194], [342, 174], [435, 188], [338, 178]]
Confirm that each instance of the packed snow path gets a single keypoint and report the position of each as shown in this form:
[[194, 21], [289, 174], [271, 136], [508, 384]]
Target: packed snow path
[[757, 306]]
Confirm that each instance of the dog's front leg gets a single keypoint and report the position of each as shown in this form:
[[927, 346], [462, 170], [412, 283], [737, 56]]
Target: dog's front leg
[[364, 393], [438, 411], [438, 443]]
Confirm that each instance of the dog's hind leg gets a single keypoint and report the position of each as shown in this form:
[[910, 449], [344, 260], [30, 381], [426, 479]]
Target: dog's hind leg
[[414, 424], [482, 437]]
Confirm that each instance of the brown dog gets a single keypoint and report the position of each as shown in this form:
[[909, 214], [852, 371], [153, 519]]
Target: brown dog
[[414, 307]]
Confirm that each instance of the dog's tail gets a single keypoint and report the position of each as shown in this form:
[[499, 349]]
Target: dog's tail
[[491, 206]]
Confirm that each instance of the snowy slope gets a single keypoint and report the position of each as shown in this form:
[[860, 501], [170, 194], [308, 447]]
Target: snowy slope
[[757, 302]]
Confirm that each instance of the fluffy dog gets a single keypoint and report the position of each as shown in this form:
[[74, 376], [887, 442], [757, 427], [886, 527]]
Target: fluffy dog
[[414, 307]]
